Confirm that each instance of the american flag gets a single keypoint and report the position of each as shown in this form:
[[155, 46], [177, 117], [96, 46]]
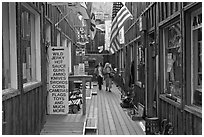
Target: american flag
[[120, 15], [93, 25]]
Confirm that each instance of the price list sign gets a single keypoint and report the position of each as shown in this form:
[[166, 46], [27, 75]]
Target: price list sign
[[58, 80]]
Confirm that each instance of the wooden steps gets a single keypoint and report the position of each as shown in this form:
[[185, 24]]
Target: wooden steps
[[92, 115], [88, 93], [63, 128], [71, 124], [91, 123]]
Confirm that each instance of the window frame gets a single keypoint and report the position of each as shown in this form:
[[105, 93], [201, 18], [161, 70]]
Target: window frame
[[13, 48], [165, 39], [36, 41], [194, 52]]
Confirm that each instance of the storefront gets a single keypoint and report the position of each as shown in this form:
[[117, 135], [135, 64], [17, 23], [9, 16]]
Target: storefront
[[22, 97], [28, 31], [167, 38]]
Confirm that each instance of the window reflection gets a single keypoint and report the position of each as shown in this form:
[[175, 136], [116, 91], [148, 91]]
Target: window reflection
[[173, 60]]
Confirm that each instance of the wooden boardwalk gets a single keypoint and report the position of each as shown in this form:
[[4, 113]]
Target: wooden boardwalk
[[111, 119], [71, 124]]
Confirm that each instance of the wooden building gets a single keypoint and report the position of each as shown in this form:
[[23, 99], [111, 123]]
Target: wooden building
[[163, 44], [28, 30]]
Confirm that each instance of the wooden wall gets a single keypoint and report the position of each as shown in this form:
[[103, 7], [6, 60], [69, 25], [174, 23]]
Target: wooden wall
[[193, 124], [156, 15], [24, 109], [172, 112], [33, 114], [184, 122]]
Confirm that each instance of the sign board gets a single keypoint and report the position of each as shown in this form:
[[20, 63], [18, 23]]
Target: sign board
[[76, 69], [81, 69], [121, 35], [142, 23], [80, 52], [107, 34], [58, 80], [81, 35]]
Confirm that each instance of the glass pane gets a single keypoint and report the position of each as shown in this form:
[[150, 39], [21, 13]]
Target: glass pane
[[196, 64], [140, 63], [199, 57], [6, 74], [174, 60], [197, 40], [26, 43]]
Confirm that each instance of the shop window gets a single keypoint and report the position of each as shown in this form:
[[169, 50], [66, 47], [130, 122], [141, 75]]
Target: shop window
[[6, 82], [30, 32], [196, 55], [9, 51], [140, 64], [173, 61]]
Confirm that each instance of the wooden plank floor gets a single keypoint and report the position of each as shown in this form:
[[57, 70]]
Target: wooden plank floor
[[105, 107], [112, 119], [71, 124]]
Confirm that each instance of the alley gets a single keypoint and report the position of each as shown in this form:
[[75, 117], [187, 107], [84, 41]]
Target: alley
[[55, 53], [111, 118]]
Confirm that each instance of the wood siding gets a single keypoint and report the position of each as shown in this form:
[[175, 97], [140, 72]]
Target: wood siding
[[172, 113], [156, 15], [33, 113], [24, 109], [193, 124]]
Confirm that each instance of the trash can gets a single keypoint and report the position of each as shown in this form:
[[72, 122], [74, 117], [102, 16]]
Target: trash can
[[151, 125]]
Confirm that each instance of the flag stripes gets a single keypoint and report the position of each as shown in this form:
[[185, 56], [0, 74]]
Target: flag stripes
[[122, 15], [93, 26], [119, 20]]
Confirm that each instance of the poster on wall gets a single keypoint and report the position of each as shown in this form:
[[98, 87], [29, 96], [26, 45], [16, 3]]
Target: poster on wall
[[170, 62], [58, 80]]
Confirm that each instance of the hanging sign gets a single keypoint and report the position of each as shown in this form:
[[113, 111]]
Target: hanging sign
[[80, 50], [58, 80]]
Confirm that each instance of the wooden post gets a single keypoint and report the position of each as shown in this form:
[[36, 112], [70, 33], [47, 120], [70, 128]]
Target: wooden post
[[90, 84], [157, 53], [19, 65], [84, 95], [150, 77], [182, 23], [44, 64]]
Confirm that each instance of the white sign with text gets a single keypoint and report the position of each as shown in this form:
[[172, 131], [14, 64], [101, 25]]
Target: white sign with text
[[58, 80]]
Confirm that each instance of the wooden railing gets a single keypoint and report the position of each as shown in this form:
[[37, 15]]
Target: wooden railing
[[32, 115]]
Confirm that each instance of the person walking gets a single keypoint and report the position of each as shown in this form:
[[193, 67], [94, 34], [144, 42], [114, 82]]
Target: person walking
[[99, 72], [108, 70]]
